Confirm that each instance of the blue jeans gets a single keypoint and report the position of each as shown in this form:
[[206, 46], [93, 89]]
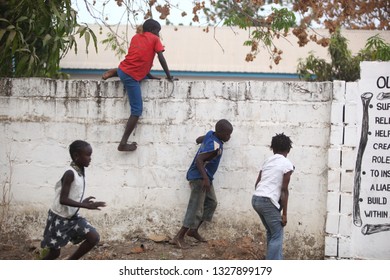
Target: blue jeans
[[133, 89], [272, 221], [201, 206]]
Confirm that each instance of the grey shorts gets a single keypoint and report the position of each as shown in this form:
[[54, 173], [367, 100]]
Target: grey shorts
[[201, 205]]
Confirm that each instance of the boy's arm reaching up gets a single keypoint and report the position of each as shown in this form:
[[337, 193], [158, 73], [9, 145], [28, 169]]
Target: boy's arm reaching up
[[284, 196], [164, 65]]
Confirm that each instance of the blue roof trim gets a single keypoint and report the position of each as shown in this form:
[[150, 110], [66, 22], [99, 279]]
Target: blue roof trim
[[194, 74]]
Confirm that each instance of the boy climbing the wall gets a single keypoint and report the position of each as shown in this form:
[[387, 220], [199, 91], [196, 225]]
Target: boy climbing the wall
[[136, 67]]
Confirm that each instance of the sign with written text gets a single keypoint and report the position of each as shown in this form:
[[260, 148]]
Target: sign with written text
[[371, 192]]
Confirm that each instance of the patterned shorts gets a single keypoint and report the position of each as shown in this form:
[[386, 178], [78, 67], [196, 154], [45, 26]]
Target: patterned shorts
[[60, 231]]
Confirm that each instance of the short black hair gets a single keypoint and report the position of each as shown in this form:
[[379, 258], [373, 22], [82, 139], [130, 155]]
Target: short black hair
[[223, 125], [281, 143], [151, 25], [76, 147]]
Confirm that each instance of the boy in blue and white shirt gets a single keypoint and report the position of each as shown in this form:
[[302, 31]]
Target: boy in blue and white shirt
[[203, 202]]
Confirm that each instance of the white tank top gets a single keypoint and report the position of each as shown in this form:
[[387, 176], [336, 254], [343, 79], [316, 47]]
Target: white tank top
[[76, 193]]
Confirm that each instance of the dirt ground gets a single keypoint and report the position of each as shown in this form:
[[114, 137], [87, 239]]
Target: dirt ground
[[16, 247]]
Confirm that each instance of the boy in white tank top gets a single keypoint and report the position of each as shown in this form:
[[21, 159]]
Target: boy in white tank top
[[64, 224]]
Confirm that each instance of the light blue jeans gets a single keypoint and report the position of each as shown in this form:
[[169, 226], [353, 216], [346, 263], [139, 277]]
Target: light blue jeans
[[133, 89], [272, 221], [201, 205]]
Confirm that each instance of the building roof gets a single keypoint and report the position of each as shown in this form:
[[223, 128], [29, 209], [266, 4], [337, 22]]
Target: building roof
[[190, 51]]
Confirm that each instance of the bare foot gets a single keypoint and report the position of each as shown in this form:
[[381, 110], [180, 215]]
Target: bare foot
[[195, 234], [109, 74], [179, 243], [127, 147]]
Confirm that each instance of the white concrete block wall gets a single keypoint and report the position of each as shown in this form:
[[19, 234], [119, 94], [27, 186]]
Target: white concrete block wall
[[344, 249], [39, 118], [345, 225], [331, 246], [332, 223], [342, 157], [334, 177], [335, 171]]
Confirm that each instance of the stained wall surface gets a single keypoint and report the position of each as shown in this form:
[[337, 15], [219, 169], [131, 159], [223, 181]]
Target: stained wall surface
[[146, 191]]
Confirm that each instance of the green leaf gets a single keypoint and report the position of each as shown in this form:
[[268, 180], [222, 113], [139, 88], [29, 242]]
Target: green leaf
[[21, 64], [46, 39], [23, 50], [94, 40], [248, 43], [31, 62], [71, 42], [87, 37], [4, 19], [2, 32], [10, 38], [284, 19], [81, 30], [22, 18]]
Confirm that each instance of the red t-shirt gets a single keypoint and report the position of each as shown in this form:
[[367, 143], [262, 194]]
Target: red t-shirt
[[140, 56]]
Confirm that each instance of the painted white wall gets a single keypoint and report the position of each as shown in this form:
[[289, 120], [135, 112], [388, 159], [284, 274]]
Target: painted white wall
[[361, 232], [146, 190]]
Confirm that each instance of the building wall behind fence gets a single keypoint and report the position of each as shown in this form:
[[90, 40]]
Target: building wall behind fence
[[146, 190]]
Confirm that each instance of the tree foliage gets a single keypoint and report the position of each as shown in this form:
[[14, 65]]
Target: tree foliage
[[349, 14], [298, 17], [35, 35], [248, 14], [343, 65]]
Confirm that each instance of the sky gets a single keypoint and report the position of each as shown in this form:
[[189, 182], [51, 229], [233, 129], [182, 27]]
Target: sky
[[115, 13]]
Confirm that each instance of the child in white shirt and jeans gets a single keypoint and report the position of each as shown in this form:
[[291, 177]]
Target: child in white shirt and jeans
[[271, 194]]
